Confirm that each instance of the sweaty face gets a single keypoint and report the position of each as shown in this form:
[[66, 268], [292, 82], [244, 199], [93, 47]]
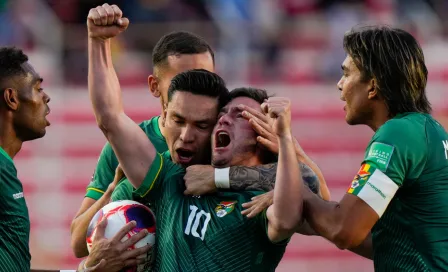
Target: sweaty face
[[189, 123], [178, 64], [355, 92], [234, 142], [30, 118]]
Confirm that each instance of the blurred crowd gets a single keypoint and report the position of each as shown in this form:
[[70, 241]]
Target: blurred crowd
[[256, 40]]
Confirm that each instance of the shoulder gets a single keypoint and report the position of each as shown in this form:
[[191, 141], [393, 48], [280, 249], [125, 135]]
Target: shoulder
[[7, 167], [148, 125], [406, 129]]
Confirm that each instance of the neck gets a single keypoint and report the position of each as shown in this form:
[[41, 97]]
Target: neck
[[161, 127], [8, 138], [380, 115], [248, 162]]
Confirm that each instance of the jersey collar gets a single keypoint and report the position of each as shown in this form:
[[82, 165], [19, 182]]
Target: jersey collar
[[2, 151]]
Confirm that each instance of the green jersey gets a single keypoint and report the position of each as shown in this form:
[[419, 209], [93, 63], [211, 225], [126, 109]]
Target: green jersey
[[14, 219], [108, 162], [206, 233], [404, 178]]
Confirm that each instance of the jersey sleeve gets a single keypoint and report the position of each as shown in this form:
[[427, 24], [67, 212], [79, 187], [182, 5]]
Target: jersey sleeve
[[105, 169], [123, 191], [154, 178], [396, 153], [104, 173]]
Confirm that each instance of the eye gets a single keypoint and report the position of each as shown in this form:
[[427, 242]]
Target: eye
[[178, 121], [203, 126], [239, 115]]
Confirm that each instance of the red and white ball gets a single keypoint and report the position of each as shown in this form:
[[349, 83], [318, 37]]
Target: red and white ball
[[118, 214]]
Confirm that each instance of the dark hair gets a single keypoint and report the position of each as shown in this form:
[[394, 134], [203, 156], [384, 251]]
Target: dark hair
[[200, 82], [395, 60], [179, 43], [11, 60], [260, 96]]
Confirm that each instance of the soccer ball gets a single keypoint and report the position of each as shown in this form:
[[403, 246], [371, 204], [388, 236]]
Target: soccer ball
[[118, 214]]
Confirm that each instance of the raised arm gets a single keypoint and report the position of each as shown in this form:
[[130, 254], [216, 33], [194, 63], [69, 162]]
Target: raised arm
[[132, 147], [286, 211]]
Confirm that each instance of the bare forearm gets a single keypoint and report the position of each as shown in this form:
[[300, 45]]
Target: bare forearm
[[81, 223], [303, 158], [104, 88], [305, 229], [258, 178], [321, 215], [365, 249], [103, 83], [287, 205], [262, 177]]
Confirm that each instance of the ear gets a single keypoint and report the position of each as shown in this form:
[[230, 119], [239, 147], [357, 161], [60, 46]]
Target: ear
[[372, 89], [11, 99], [163, 117], [153, 86]]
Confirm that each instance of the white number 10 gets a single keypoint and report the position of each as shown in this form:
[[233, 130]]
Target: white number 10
[[193, 227]]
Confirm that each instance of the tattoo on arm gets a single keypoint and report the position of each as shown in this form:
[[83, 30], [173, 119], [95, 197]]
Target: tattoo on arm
[[259, 178], [310, 178], [262, 177]]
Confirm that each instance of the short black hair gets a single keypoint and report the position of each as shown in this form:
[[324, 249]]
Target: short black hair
[[256, 94], [395, 60], [200, 82], [11, 60], [179, 43], [259, 95]]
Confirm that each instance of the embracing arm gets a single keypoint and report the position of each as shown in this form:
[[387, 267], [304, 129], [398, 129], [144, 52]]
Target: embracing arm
[[263, 177], [364, 249], [346, 224], [105, 94]]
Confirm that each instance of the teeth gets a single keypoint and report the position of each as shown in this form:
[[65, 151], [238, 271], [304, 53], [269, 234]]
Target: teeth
[[222, 133]]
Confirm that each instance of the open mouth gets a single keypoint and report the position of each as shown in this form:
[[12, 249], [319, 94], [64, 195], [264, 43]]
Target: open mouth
[[222, 139], [184, 154]]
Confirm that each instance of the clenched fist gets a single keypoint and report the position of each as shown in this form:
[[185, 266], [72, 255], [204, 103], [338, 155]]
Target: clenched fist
[[279, 109], [199, 180], [105, 22]]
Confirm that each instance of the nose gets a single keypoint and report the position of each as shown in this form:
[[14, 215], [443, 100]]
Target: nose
[[339, 84], [46, 98], [187, 134], [225, 120]]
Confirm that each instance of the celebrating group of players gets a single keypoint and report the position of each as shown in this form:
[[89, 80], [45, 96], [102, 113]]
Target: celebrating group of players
[[227, 181]]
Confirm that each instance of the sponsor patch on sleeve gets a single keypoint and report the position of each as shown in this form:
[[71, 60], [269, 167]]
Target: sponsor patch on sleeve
[[380, 154], [374, 187]]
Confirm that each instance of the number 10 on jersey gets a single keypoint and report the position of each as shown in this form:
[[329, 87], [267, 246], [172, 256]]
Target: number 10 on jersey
[[194, 220]]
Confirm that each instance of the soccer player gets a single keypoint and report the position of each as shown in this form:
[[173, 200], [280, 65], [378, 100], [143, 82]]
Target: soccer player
[[399, 194], [188, 127], [174, 53], [200, 179], [195, 233], [23, 118], [23, 111]]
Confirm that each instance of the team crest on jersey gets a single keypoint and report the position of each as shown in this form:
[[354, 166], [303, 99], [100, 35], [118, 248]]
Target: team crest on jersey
[[224, 208], [360, 178]]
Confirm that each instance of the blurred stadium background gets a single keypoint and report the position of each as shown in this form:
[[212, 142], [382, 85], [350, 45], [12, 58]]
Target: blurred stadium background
[[289, 47]]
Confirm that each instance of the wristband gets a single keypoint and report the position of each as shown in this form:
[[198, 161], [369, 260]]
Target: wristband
[[222, 179]]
